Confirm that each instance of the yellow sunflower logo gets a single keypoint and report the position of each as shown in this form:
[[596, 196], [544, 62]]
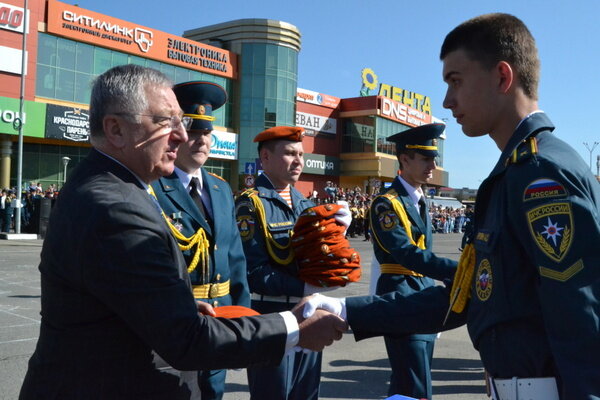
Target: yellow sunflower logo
[[369, 79]]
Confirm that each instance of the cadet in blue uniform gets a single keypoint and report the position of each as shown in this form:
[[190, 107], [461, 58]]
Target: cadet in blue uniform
[[402, 243], [528, 284], [200, 210], [266, 216]]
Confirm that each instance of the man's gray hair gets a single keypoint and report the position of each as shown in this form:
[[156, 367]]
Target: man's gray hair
[[122, 89]]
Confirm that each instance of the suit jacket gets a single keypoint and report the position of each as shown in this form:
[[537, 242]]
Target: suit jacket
[[115, 296], [227, 260]]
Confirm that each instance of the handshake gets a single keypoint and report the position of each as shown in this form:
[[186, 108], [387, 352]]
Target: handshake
[[321, 320]]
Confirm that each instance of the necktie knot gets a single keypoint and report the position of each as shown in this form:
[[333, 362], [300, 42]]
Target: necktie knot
[[195, 184]]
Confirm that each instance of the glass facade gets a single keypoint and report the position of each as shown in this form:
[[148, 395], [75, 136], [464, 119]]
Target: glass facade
[[65, 70], [359, 135], [369, 134], [219, 167], [269, 76], [43, 163]]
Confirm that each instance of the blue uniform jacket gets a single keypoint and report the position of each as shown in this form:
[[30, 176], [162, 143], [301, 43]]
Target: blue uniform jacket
[[391, 245], [264, 275], [389, 233], [227, 260], [534, 307]]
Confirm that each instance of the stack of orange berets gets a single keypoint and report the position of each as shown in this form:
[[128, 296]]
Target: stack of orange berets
[[323, 253]]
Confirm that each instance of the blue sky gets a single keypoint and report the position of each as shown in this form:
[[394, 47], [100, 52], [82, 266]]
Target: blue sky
[[400, 41]]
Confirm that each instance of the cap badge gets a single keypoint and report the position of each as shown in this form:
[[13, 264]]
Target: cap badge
[[201, 110]]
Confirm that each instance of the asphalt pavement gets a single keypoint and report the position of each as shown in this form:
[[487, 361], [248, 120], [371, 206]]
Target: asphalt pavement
[[351, 370]]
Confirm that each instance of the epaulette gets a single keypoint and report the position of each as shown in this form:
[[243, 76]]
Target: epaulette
[[217, 176], [390, 194], [525, 150], [249, 192]]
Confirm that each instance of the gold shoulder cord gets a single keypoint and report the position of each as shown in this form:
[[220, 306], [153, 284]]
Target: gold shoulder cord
[[269, 241], [198, 239], [401, 213], [461, 285], [460, 293]]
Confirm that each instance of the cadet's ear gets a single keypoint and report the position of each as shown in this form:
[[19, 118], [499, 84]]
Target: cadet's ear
[[113, 130], [506, 76]]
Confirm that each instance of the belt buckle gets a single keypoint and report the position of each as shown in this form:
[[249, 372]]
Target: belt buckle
[[213, 290]]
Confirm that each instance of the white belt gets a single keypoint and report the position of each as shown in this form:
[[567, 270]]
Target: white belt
[[524, 389], [276, 299]]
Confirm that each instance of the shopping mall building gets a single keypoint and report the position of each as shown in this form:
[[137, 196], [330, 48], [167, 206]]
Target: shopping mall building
[[255, 60]]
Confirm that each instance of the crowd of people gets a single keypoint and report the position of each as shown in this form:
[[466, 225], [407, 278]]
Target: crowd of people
[[30, 204], [443, 219]]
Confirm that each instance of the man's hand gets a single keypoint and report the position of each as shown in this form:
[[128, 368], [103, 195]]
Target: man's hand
[[205, 309], [320, 330], [308, 305]]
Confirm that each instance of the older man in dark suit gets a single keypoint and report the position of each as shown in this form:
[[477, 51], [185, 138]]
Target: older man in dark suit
[[199, 209], [117, 310]]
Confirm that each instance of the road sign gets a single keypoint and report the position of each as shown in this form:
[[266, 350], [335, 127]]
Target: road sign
[[250, 168], [249, 180], [432, 192]]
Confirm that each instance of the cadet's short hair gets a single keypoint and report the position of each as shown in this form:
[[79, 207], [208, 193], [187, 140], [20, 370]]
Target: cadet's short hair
[[409, 152], [122, 89], [496, 37]]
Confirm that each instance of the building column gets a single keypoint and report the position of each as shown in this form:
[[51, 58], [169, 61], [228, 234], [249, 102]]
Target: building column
[[5, 153]]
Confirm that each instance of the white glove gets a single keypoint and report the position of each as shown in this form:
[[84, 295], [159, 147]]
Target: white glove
[[334, 305], [343, 216], [298, 349], [312, 289]]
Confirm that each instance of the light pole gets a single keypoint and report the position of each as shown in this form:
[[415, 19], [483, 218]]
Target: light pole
[[65, 163], [591, 150], [598, 166]]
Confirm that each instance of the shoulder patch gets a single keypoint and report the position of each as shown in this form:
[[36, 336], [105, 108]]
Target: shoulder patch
[[385, 215], [544, 188], [246, 226], [217, 176], [551, 226], [484, 280]]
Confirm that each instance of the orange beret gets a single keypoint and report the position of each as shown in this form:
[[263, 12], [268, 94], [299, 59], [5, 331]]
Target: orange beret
[[317, 213], [329, 234], [234, 312], [316, 226], [291, 133], [323, 254]]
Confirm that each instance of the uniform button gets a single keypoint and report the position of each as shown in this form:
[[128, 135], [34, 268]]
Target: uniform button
[[218, 277], [215, 303]]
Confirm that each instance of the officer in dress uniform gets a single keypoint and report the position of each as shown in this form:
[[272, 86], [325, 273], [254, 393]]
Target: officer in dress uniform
[[200, 212], [402, 243], [528, 283], [266, 216]]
